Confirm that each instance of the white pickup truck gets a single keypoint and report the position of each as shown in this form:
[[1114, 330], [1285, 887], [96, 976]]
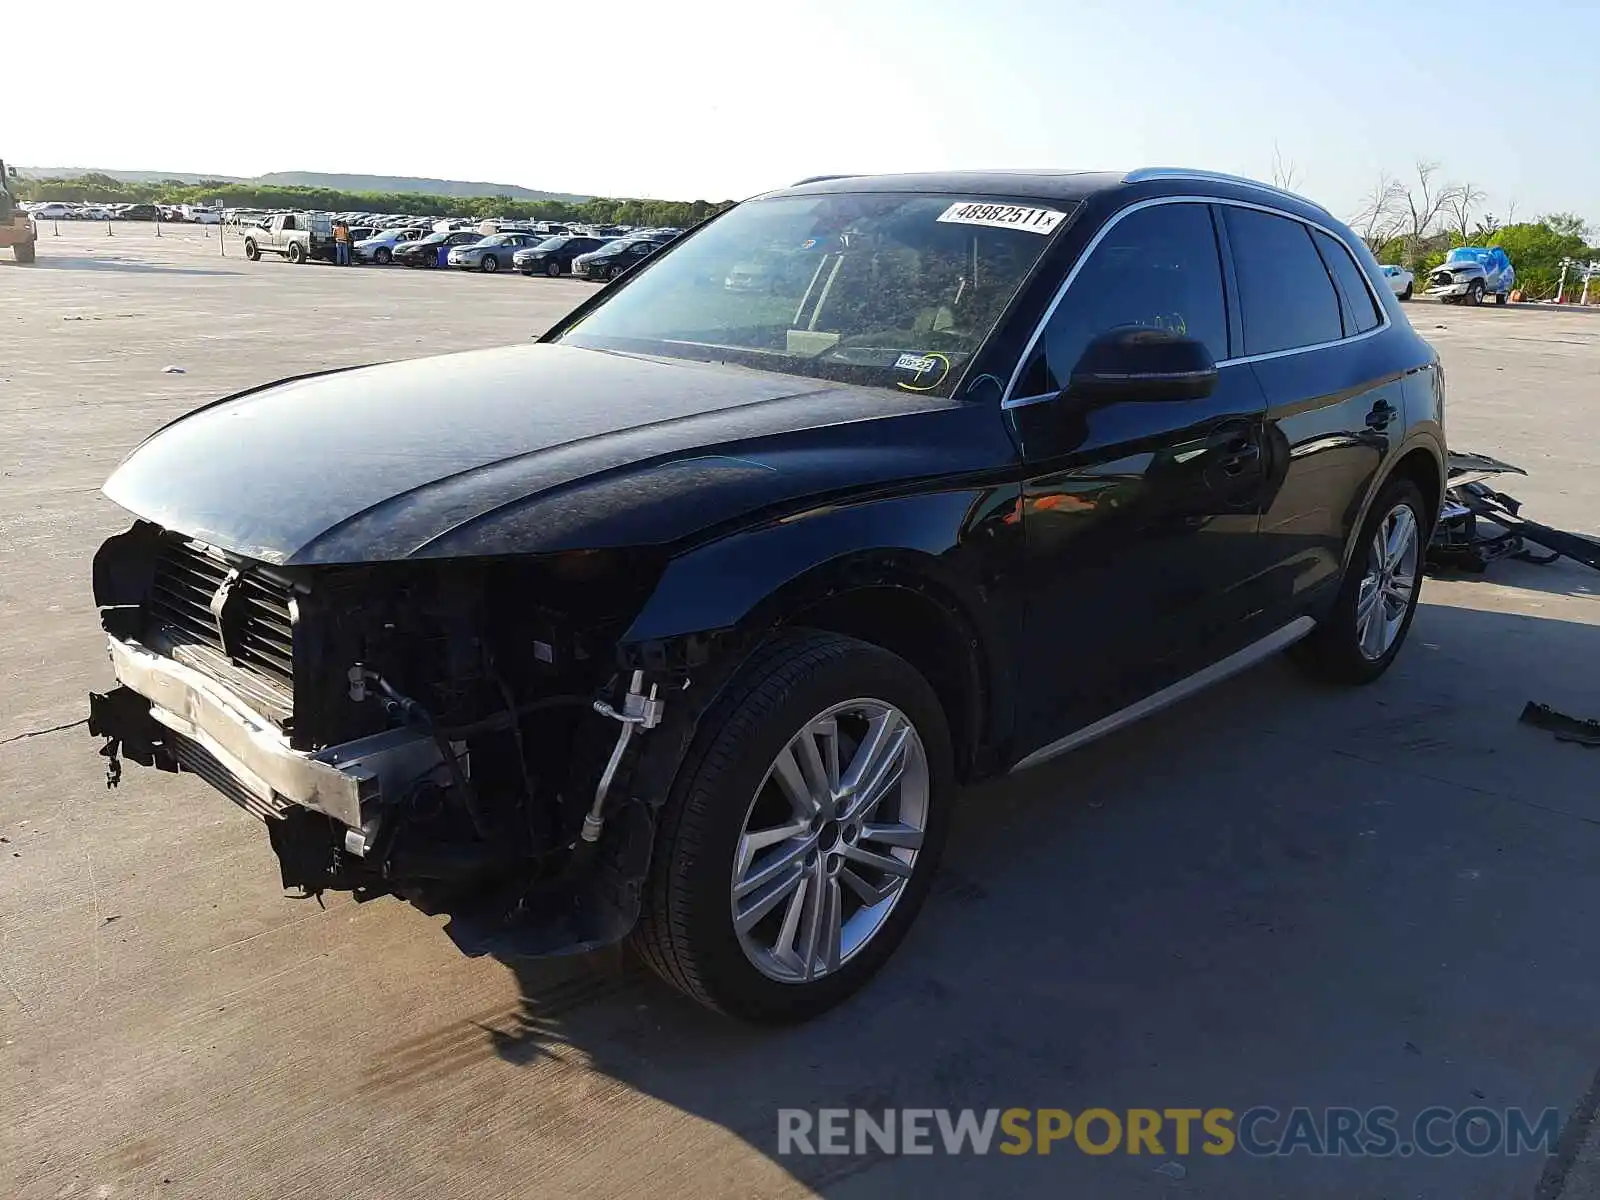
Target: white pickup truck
[[296, 236]]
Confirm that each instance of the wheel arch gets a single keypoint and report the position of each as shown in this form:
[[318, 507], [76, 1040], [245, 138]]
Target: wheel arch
[[1419, 460]]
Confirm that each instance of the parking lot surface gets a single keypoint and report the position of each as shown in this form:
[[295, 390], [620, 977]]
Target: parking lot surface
[[1275, 895]]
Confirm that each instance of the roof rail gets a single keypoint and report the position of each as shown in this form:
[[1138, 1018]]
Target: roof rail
[[819, 179], [1144, 174]]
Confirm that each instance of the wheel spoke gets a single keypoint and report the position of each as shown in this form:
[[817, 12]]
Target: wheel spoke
[[767, 899], [759, 839], [1402, 532], [775, 866], [906, 836], [876, 767], [881, 862], [783, 948], [813, 759], [1371, 631], [791, 780], [869, 893], [823, 921]]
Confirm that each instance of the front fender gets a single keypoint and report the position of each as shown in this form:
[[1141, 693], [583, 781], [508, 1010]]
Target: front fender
[[958, 548], [722, 584]]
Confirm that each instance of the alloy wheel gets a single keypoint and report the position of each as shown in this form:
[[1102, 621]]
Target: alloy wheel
[[830, 840], [1390, 582]]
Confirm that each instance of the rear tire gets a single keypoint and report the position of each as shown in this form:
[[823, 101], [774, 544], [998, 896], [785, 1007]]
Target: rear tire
[[1345, 649], [297, 253], [799, 682], [1406, 295], [24, 251], [1500, 298]]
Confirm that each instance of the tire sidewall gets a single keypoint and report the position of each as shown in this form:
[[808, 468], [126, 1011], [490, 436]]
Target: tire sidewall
[[553, 268], [489, 265], [382, 256], [868, 672]]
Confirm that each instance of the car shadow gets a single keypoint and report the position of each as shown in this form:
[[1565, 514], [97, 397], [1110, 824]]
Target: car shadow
[[47, 262], [1282, 894]]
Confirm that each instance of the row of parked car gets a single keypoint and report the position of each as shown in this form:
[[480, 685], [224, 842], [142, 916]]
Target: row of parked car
[[52, 210], [585, 253]]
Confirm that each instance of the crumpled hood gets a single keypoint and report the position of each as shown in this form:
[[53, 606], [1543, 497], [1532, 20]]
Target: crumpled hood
[[393, 461], [1466, 268]]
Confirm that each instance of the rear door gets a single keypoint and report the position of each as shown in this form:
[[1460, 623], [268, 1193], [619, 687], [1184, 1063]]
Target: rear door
[[1140, 519], [1310, 321]]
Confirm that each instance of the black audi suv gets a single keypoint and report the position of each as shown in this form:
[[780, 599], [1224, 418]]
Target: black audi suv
[[683, 624]]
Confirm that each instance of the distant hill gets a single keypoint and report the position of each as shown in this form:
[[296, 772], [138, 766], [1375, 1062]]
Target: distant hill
[[317, 179], [409, 183], [124, 176]]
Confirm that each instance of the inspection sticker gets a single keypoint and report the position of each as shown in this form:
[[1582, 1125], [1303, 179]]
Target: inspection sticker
[[1003, 216], [915, 363]]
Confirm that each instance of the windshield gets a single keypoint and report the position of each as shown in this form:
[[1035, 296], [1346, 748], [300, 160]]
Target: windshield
[[554, 243], [1468, 254], [499, 239], [397, 233], [883, 289], [435, 237]]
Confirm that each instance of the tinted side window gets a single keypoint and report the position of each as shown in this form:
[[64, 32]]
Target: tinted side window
[[1287, 296], [1356, 303], [1157, 267]]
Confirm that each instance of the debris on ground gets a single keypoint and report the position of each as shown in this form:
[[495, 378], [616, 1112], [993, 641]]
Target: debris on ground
[[1584, 731], [1172, 1170], [174, 371]]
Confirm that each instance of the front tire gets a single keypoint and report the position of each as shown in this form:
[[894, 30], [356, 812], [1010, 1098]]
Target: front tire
[[802, 832], [382, 256], [1378, 598], [1406, 295], [489, 265], [1475, 294], [553, 268], [252, 251]]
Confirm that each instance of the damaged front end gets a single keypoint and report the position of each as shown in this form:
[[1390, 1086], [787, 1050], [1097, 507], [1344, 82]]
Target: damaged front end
[[460, 733], [1478, 524]]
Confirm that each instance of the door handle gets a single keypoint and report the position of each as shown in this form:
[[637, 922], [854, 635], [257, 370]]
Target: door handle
[[1382, 413]]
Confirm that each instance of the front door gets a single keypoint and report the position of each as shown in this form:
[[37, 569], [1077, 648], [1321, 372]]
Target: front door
[[1140, 518]]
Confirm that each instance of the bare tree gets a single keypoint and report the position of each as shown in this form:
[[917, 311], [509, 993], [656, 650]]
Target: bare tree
[[1284, 173], [1459, 203], [1382, 212], [1424, 202]]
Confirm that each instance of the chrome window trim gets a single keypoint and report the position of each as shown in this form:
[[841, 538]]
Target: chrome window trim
[[1011, 401], [1146, 174]]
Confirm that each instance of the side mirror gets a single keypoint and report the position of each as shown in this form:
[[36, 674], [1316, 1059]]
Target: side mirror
[[1135, 363]]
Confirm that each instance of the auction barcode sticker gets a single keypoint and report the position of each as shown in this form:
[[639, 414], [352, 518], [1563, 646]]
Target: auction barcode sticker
[[1003, 216]]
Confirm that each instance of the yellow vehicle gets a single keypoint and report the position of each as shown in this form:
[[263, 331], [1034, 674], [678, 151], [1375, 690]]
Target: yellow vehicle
[[16, 227]]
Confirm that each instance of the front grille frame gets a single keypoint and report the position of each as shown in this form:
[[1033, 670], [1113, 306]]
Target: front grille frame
[[228, 617]]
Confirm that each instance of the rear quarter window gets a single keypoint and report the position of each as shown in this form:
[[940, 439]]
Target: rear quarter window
[[1356, 304], [1286, 293]]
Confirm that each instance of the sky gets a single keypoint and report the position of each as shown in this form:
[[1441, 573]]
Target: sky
[[721, 99]]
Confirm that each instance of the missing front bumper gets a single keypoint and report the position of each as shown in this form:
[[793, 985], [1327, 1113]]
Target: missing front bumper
[[167, 704]]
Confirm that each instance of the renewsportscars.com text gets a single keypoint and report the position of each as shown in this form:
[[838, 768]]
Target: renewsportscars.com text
[[1259, 1132]]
